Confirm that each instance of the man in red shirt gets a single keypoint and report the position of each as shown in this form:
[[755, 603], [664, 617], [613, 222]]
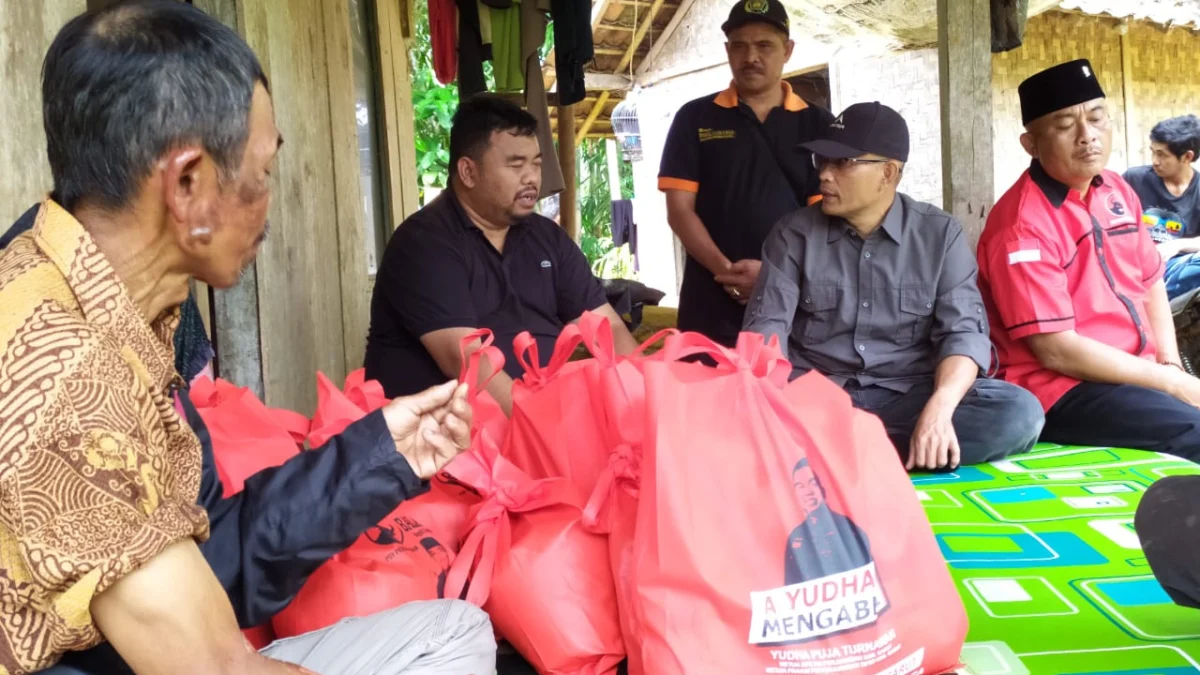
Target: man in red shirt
[[1073, 283]]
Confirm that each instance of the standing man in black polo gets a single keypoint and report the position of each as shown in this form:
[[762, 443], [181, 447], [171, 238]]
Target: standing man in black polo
[[733, 166], [479, 257]]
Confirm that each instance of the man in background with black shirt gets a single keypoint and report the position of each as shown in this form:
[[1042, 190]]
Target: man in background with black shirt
[[479, 257], [1170, 194], [733, 166]]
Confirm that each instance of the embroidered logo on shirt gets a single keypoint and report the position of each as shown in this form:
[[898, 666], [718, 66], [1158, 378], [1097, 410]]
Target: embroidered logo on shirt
[[546, 265], [716, 134], [1115, 206]]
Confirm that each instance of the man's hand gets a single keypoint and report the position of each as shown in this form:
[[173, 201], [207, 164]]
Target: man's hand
[[1174, 247], [934, 444], [1182, 386], [740, 279], [430, 428]]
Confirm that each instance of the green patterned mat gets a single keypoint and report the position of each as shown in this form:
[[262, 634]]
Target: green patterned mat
[[1043, 551]]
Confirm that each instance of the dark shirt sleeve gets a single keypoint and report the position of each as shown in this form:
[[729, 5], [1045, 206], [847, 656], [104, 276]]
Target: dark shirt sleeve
[[680, 167], [772, 306], [424, 281], [960, 324], [287, 521], [578, 289]]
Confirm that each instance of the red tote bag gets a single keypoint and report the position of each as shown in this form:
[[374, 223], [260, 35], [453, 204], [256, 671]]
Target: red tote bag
[[530, 564], [407, 556], [776, 531], [339, 408], [247, 436]]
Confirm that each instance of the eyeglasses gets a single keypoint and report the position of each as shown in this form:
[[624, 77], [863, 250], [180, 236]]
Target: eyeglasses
[[841, 163]]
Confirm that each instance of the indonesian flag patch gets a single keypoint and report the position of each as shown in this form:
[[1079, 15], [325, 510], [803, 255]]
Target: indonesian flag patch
[[1024, 251]]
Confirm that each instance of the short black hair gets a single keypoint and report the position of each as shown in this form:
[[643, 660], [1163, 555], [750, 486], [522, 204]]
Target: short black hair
[[478, 117], [123, 85], [1179, 134], [800, 465]]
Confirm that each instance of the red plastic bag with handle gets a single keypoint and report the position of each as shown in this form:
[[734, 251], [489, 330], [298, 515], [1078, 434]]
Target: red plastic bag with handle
[[612, 507], [247, 437], [407, 556], [339, 408], [528, 561], [776, 530]]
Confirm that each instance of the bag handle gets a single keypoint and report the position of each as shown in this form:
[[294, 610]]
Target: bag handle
[[526, 350], [297, 425], [472, 363], [661, 336]]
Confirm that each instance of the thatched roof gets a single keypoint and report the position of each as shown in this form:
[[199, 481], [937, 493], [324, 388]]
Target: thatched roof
[[629, 33], [1164, 12]]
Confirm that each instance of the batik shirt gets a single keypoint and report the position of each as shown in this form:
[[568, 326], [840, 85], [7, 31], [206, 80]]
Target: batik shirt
[[98, 473]]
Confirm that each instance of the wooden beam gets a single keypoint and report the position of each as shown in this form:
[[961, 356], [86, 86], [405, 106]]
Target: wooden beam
[[598, 11], [656, 48], [608, 25], [638, 36], [647, 3], [965, 72], [591, 118], [608, 51], [1133, 144], [566, 158]]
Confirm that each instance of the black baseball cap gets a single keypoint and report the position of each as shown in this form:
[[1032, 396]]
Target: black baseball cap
[[864, 128], [757, 11]]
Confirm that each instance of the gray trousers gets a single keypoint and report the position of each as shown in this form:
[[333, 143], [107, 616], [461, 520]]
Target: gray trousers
[[440, 637]]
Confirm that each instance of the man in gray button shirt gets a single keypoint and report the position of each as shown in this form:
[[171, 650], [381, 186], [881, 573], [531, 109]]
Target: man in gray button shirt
[[877, 291]]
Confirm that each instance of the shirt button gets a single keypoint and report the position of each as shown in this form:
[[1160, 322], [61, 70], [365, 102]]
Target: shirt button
[[862, 348], [862, 373], [866, 303], [928, 305], [867, 255], [808, 301]]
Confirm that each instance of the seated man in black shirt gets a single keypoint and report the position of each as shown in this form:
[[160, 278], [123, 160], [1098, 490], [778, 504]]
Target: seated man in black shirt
[[1169, 190], [479, 257]]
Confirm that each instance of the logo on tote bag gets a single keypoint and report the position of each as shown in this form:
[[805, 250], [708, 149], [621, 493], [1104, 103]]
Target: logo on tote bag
[[830, 581]]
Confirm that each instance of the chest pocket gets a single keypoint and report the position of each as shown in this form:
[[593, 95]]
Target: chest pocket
[[818, 311], [916, 316]]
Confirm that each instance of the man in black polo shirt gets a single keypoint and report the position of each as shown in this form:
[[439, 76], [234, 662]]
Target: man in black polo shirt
[[733, 166], [479, 257]]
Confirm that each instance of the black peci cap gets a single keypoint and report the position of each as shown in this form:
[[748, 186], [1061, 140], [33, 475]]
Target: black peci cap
[[1058, 87], [757, 11], [861, 129]]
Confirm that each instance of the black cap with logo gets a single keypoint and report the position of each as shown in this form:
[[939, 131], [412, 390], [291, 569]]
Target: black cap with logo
[[864, 129], [757, 11]]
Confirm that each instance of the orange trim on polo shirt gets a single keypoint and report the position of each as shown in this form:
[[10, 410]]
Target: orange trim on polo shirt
[[666, 183], [791, 100]]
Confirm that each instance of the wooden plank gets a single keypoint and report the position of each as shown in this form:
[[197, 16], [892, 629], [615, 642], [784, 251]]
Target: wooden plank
[[566, 158], [1133, 145], [405, 123], [26, 31], [391, 116], [638, 36], [655, 49], [598, 10], [965, 65], [354, 233], [591, 118], [236, 325], [300, 304]]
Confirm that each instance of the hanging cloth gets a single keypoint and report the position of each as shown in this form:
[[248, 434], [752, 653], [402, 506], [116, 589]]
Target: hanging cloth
[[442, 34], [573, 47], [506, 48], [533, 35], [471, 53]]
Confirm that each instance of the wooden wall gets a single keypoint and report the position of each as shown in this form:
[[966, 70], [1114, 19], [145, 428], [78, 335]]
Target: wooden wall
[[1050, 39], [1163, 69], [304, 306], [26, 31]]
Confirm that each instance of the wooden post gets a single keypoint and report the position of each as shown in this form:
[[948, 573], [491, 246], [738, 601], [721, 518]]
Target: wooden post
[[965, 70], [1133, 143], [566, 157]]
